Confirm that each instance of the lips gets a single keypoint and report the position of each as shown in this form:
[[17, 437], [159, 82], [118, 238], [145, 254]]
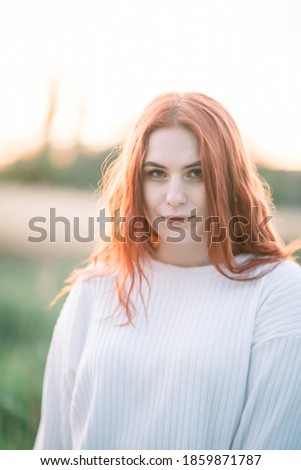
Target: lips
[[178, 217]]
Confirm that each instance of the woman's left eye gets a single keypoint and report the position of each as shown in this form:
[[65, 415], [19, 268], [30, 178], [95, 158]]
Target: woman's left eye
[[197, 173]]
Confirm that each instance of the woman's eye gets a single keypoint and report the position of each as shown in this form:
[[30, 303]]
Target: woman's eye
[[196, 173], [156, 173]]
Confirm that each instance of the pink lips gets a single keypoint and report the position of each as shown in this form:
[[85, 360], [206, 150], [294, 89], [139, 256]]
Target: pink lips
[[178, 219]]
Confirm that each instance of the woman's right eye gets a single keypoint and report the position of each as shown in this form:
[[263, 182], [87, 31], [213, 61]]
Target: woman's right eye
[[156, 173]]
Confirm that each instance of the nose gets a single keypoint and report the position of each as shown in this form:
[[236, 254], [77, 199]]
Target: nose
[[176, 192]]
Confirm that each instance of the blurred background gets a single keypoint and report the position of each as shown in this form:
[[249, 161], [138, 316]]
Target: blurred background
[[74, 75]]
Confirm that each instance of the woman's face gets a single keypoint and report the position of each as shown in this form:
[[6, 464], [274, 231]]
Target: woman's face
[[173, 185]]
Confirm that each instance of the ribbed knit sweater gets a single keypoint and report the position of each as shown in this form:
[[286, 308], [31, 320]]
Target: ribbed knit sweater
[[215, 364]]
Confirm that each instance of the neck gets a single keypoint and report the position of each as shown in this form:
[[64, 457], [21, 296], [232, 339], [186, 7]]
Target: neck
[[185, 256]]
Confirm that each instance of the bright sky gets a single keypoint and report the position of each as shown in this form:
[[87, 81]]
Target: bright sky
[[111, 57]]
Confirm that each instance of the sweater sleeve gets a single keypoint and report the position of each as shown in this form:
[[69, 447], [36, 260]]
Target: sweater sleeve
[[59, 376], [271, 418]]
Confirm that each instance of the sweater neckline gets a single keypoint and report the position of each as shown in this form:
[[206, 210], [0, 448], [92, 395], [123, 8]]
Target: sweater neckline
[[172, 270]]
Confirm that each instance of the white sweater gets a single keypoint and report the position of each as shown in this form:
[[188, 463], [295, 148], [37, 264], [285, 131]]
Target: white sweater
[[216, 364]]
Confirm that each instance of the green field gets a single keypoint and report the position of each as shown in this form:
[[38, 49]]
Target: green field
[[26, 325]]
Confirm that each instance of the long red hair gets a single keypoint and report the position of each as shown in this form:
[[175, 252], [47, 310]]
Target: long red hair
[[233, 190]]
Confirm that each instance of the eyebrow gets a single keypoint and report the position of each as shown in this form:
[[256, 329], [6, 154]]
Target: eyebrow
[[157, 165]]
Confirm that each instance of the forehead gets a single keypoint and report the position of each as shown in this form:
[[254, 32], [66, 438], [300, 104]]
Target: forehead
[[172, 144]]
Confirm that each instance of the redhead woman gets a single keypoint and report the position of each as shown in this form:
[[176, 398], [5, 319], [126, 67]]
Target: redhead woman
[[184, 331]]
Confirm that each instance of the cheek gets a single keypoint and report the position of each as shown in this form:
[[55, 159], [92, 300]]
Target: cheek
[[199, 199], [150, 196], [145, 196]]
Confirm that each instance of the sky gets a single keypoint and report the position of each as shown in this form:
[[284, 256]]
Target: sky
[[109, 58]]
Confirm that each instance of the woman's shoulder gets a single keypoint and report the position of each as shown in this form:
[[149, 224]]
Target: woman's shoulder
[[280, 299], [282, 273], [270, 271], [90, 283], [279, 282], [94, 271], [94, 278]]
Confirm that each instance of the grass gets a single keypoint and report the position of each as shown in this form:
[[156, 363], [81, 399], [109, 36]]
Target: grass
[[26, 326]]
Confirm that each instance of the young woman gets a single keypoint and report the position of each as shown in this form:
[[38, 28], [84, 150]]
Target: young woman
[[184, 332]]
